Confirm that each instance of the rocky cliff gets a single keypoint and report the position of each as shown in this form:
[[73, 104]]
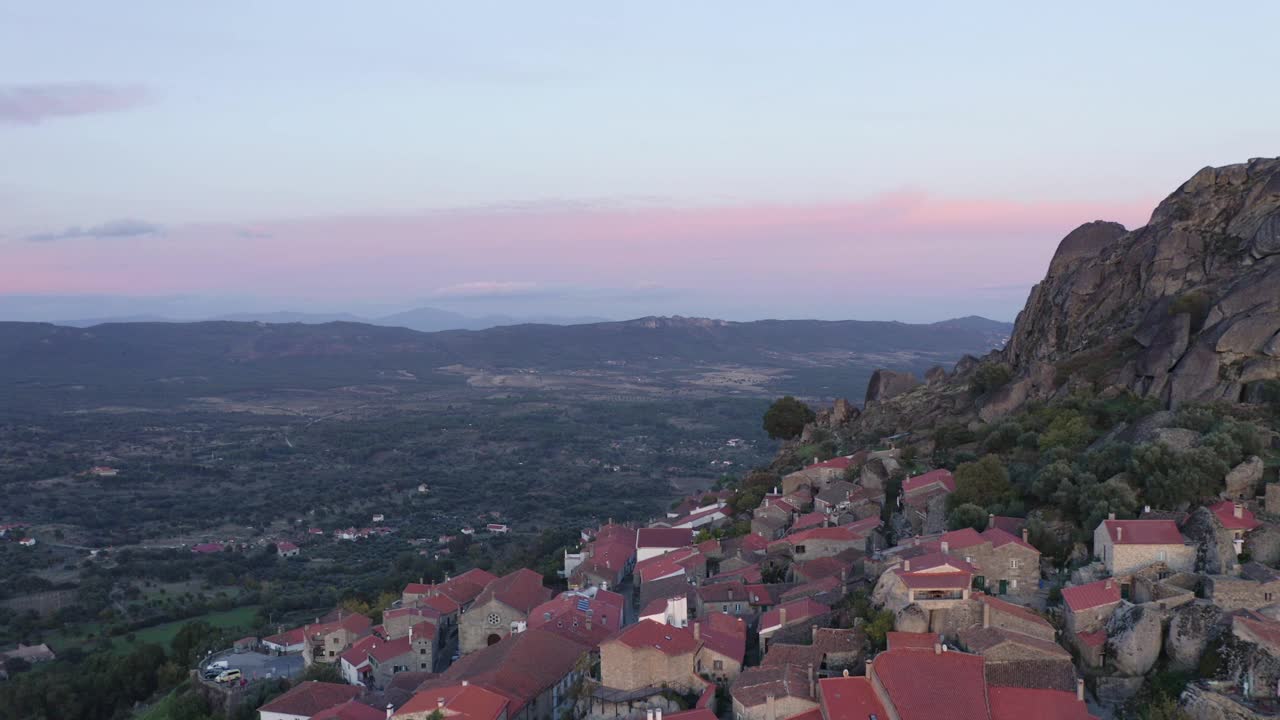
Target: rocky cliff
[[1186, 308]]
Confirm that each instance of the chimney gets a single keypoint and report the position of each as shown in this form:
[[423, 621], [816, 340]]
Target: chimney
[[991, 520], [813, 689], [986, 615], [937, 648], [771, 707], [871, 672], [697, 631], [1119, 533], [813, 633], [1111, 516], [1237, 510], [465, 683], [390, 710], [1080, 689], [906, 565], [410, 634], [1108, 585], [657, 714], [845, 673], [782, 615], [1025, 535], [439, 702], [648, 714], [946, 547]]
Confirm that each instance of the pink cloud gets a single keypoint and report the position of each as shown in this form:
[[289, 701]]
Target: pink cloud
[[893, 243], [34, 104]]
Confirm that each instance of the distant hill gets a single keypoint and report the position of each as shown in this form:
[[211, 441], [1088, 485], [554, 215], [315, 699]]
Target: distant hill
[[246, 355]]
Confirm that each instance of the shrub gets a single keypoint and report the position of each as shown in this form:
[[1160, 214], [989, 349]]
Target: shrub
[[981, 483], [989, 376], [786, 417], [967, 515]]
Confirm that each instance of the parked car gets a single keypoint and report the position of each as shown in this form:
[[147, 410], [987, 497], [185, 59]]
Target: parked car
[[218, 665], [228, 675]]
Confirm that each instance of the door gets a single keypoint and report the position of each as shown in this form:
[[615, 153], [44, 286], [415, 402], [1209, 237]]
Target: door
[[1004, 587]]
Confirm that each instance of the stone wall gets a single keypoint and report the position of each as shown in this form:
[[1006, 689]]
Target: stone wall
[[626, 668], [1236, 593], [475, 628]]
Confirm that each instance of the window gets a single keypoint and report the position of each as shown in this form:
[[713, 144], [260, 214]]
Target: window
[[422, 666], [1013, 563], [422, 651], [1266, 597], [799, 549], [717, 664]]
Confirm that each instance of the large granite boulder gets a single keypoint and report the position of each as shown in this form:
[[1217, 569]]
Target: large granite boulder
[[886, 384], [1134, 638], [935, 375], [1191, 628], [1243, 480], [912, 619], [876, 471], [842, 412]]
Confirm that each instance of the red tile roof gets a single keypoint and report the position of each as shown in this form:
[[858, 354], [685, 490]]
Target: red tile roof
[[849, 698], [565, 615], [463, 702], [1097, 638], [928, 686], [839, 533], [753, 686], [351, 710], [723, 592], [1021, 611], [796, 610], [940, 476], [665, 565], [1011, 525], [960, 539], [909, 640], [1018, 703], [1091, 595], [1000, 538], [1143, 532], [839, 463], [724, 634], [937, 562], [1225, 512], [696, 714], [664, 638], [439, 603], [664, 538], [358, 653], [813, 519], [519, 667], [980, 640], [521, 590], [822, 568], [747, 573], [311, 697], [828, 589], [285, 546]]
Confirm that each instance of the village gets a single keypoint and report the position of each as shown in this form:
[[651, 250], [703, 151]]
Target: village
[[813, 614]]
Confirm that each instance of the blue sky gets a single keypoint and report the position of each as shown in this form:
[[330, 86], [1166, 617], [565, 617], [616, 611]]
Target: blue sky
[[213, 123]]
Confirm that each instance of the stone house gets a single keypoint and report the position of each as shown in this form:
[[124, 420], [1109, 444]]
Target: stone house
[[923, 499], [834, 497], [1125, 546], [818, 475], [462, 590], [307, 699], [773, 693], [804, 613], [830, 651], [502, 608], [397, 621], [1000, 645], [997, 613], [724, 646], [1254, 662], [650, 655], [822, 542], [326, 640], [1256, 587], [936, 582], [654, 541], [414, 652], [1087, 609], [730, 598]]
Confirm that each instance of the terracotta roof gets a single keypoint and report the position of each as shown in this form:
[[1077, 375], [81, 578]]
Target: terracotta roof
[[521, 590], [285, 546], [311, 697], [416, 589], [1000, 538], [664, 638], [796, 610], [519, 667], [1143, 532], [1020, 703], [569, 613], [822, 568], [1091, 595], [912, 641], [849, 698], [666, 565], [1011, 525], [940, 476], [463, 702], [392, 649], [351, 710], [440, 603], [664, 537], [1256, 571], [980, 640], [1021, 611], [1264, 629], [1225, 512], [836, 492], [1045, 674], [839, 463], [747, 573], [936, 581], [808, 520], [358, 654], [753, 686], [1097, 638], [724, 634], [723, 592], [828, 588], [928, 685], [840, 533], [287, 638], [696, 714], [791, 654], [960, 539], [765, 594]]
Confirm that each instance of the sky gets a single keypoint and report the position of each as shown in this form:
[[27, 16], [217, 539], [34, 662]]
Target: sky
[[732, 159]]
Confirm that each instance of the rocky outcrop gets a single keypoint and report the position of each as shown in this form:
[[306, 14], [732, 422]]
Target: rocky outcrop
[[1186, 308], [912, 618], [1216, 554], [876, 472], [1191, 629], [886, 384], [1134, 635], [935, 375], [1205, 704], [1244, 479]]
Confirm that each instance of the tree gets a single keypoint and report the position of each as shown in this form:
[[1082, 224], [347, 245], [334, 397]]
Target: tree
[[982, 483], [786, 417], [1069, 430], [323, 672], [989, 376], [1172, 477], [967, 515]]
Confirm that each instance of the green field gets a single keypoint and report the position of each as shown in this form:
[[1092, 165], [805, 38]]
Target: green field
[[241, 618]]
